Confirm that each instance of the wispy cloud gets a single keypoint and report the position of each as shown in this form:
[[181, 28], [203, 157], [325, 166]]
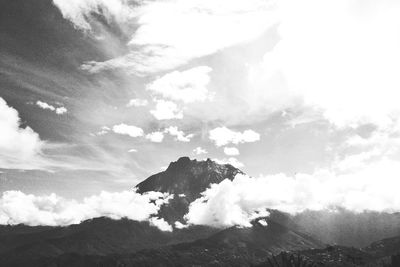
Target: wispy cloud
[[171, 33], [136, 102], [186, 86]]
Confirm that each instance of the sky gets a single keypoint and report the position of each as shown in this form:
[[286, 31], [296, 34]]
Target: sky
[[97, 95]]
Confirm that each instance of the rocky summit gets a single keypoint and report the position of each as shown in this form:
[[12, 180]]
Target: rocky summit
[[188, 177]]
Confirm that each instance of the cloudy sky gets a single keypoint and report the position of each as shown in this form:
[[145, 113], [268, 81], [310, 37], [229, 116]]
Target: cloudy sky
[[99, 94]]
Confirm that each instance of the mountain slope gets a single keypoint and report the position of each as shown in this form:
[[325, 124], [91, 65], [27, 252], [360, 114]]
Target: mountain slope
[[189, 177], [100, 236], [230, 247], [186, 179]]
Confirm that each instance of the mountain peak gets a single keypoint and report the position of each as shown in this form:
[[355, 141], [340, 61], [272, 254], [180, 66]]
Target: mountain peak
[[182, 162], [189, 177], [186, 179]]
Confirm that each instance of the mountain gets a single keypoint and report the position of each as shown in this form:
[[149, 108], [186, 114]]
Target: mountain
[[100, 236], [186, 179], [107, 242], [347, 228], [230, 247]]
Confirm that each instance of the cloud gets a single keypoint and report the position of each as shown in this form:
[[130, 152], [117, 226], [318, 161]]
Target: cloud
[[19, 208], [231, 151], [57, 110], [168, 34], [80, 13], [232, 161], [132, 150], [370, 188], [156, 137], [161, 224], [180, 225], [179, 135], [186, 86], [199, 150], [346, 67], [61, 110], [125, 129], [136, 102], [19, 146], [223, 136], [104, 130], [166, 110]]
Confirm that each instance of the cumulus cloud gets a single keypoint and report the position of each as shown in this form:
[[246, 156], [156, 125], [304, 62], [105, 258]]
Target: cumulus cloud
[[179, 135], [237, 202], [187, 86], [132, 131], [179, 225], [199, 150], [156, 137], [166, 110], [231, 151], [136, 102], [171, 33], [18, 146], [61, 110], [223, 136], [161, 224], [347, 67], [19, 208], [57, 110]]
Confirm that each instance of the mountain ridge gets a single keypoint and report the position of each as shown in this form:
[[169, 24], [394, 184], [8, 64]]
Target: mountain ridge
[[186, 179]]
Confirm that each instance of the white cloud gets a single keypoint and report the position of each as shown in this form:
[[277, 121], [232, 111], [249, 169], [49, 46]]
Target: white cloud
[[44, 105], [57, 110], [347, 67], [187, 86], [223, 136], [199, 150], [232, 161], [161, 224], [132, 150], [80, 12], [61, 110], [18, 146], [130, 130], [166, 110], [370, 188], [156, 137], [179, 135], [136, 102], [171, 33], [180, 225], [231, 151], [104, 130], [19, 208]]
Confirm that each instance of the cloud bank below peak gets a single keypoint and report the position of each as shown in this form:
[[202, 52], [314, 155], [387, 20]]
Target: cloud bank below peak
[[237, 202], [19, 208]]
